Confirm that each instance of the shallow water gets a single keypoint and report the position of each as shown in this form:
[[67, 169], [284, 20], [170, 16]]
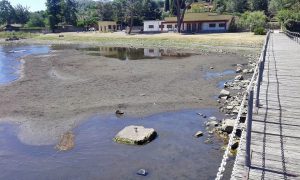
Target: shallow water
[[10, 60], [174, 154], [211, 75], [125, 53]]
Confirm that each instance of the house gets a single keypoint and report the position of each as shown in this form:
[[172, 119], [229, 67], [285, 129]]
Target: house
[[192, 23], [108, 26], [12, 27], [199, 22]]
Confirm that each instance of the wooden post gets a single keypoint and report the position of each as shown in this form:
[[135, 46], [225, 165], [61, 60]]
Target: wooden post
[[249, 129]]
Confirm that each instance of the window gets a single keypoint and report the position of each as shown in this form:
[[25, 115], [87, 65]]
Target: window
[[175, 25], [161, 26], [212, 25], [109, 26], [222, 25], [151, 26], [169, 26], [151, 50]]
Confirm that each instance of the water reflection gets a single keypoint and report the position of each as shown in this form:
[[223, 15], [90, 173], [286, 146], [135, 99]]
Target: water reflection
[[125, 53]]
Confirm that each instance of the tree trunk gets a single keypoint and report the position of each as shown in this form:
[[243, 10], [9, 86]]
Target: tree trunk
[[131, 23], [180, 15]]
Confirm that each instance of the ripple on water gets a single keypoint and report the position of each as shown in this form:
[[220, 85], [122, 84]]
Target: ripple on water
[[174, 154]]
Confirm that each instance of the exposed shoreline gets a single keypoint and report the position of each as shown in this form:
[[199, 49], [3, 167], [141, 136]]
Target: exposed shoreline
[[59, 90]]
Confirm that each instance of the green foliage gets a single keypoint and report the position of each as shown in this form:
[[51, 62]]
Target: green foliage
[[69, 12], [292, 25], [54, 11], [258, 5], [21, 14], [284, 15], [260, 31], [37, 19], [252, 20], [238, 6], [6, 12]]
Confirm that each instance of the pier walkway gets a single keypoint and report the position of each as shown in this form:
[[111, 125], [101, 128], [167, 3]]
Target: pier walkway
[[275, 135]]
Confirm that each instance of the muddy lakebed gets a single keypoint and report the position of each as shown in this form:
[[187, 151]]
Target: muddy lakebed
[[48, 91]]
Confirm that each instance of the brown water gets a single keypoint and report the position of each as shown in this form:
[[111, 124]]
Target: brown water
[[174, 154]]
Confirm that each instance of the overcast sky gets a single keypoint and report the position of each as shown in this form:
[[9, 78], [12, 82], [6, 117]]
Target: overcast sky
[[34, 5]]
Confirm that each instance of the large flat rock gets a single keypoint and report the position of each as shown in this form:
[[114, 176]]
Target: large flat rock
[[136, 135]]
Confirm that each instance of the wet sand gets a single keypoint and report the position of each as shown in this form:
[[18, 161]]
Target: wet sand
[[60, 89]]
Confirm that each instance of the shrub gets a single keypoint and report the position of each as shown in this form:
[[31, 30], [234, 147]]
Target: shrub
[[260, 31]]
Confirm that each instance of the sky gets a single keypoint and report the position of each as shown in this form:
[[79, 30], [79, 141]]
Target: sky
[[34, 5]]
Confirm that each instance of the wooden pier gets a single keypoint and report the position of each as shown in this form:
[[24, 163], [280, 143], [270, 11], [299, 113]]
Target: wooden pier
[[275, 135]]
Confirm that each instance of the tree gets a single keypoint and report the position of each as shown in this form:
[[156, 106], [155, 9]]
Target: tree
[[37, 19], [6, 12], [238, 6], [133, 9], [22, 14], [253, 20], [167, 5], [151, 10], [258, 5], [180, 8], [54, 13], [69, 12]]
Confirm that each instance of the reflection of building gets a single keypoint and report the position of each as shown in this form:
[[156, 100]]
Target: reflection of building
[[152, 53], [192, 23], [107, 26]]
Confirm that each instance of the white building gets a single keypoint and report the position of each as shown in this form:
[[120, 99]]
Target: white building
[[152, 26], [192, 23]]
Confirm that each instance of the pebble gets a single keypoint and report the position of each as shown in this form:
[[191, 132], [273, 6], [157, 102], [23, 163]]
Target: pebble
[[142, 172]]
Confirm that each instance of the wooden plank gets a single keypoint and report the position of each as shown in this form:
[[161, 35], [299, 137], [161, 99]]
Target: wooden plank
[[266, 138]]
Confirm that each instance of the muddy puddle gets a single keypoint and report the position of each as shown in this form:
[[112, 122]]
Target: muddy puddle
[[10, 60], [174, 154]]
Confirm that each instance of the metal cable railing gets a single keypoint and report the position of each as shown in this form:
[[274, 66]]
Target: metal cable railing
[[256, 75], [293, 35]]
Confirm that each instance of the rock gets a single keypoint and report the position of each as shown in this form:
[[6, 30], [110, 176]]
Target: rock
[[142, 172], [200, 114], [224, 93], [14, 38], [198, 134], [204, 116], [212, 123], [211, 67], [208, 141], [245, 71], [136, 135], [66, 142], [235, 146], [119, 112], [238, 70], [212, 118], [227, 125], [239, 77], [229, 107]]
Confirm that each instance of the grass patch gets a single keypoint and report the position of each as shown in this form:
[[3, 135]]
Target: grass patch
[[159, 40], [22, 35]]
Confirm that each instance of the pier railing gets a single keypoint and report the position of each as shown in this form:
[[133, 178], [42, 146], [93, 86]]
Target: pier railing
[[248, 97], [293, 35]]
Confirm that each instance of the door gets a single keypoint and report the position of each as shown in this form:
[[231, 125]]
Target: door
[[188, 27]]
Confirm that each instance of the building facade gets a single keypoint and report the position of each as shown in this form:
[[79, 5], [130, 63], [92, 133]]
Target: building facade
[[107, 26], [192, 23]]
